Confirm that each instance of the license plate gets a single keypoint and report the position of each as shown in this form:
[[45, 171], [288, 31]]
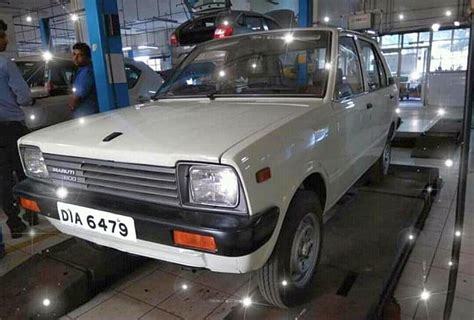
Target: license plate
[[102, 222]]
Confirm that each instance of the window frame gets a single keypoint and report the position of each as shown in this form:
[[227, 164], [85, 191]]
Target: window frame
[[381, 71], [354, 39]]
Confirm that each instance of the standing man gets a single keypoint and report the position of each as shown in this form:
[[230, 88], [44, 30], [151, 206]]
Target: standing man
[[14, 92], [84, 98]]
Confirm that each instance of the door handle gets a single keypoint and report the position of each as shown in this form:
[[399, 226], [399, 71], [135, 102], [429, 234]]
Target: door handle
[[370, 105]]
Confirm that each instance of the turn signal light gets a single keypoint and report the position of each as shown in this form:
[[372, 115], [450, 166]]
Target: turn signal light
[[223, 31], [264, 175], [29, 204], [193, 240], [173, 40]]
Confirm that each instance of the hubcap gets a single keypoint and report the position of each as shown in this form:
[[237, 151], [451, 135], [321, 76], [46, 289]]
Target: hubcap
[[387, 156], [305, 250]]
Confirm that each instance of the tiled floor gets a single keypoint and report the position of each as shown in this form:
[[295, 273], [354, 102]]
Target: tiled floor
[[429, 264], [163, 291]]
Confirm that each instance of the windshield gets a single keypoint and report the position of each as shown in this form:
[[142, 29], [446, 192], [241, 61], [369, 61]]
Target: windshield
[[276, 63], [32, 71]]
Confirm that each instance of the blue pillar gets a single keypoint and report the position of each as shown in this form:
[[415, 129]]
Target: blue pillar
[[305, 13], [131, 54], [107, 56], [45, 33]]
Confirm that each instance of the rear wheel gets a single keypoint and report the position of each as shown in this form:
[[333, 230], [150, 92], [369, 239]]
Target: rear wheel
[[288, 276], [380, 169]]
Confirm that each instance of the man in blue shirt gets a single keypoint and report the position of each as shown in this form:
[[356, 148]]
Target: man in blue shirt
[[84, 99], [14, 92]]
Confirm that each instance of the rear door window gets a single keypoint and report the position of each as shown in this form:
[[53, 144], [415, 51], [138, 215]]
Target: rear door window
[[272, 25], [197, 31], [253, 23], [133, 75], [372, 65]]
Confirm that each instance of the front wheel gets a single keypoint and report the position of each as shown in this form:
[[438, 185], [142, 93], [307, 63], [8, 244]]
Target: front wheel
[[288, 276]]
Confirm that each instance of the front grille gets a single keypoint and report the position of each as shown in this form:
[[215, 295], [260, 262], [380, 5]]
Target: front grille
[[133, 181]]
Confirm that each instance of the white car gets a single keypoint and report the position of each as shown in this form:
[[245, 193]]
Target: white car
[[51, 86], [249, 144]]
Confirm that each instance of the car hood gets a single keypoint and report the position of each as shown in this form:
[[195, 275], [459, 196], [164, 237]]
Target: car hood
[[163, 133]]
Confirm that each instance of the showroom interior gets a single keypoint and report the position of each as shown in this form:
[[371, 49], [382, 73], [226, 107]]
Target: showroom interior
[[244, 159]]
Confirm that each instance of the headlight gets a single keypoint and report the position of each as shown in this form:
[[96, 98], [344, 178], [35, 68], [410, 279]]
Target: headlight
[[213, 186], [33, 162]]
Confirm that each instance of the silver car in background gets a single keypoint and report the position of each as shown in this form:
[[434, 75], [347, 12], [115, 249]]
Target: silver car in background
[[51, 86]]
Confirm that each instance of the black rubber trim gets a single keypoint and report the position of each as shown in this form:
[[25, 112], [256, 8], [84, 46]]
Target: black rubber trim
[[235, 235]]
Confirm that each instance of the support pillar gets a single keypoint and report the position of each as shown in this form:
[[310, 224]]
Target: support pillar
[[45, 33], [107, 57], [305, 13]]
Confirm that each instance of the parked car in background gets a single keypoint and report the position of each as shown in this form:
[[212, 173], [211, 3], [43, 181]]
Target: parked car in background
[[51, 86], [234, 165], [217, 20]]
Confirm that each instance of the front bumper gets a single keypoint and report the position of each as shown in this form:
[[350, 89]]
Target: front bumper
[[235, 235]]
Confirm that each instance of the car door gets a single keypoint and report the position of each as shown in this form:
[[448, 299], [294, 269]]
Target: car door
[[350, 106], [380, 93]]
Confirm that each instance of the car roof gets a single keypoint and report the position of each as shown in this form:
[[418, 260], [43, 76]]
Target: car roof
[[62, 56], [330, 29]]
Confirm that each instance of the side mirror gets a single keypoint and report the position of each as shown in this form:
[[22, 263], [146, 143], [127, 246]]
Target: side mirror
[[391, 81]]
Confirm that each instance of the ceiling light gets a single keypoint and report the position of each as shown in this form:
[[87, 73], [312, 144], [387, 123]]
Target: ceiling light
[[184, 286], [401, 17], [441, 112], [449, 163], [29, 19], [435, 27], [449, 13], [411, 237], [222, 73], [46, 302], [74, 17], [458, 233], [326, 19], [32, 117], [397, 110], [284, 283], [126, 48], [457, 23]]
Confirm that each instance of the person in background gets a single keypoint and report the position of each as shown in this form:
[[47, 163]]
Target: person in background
[[14, 92], [84, 97]]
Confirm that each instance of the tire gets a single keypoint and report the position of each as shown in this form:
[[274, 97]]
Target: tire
[[380, 169], [302, 230]]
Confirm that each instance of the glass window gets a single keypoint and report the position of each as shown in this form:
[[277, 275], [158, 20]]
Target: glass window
[[442, 35], [253, 23], [461, 34], [349, 76], [132, 74], [271, 24], [410, 39], [392, 59], [391, 41], [262, 64], [424, 38], [373, 66], [450, 54]]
